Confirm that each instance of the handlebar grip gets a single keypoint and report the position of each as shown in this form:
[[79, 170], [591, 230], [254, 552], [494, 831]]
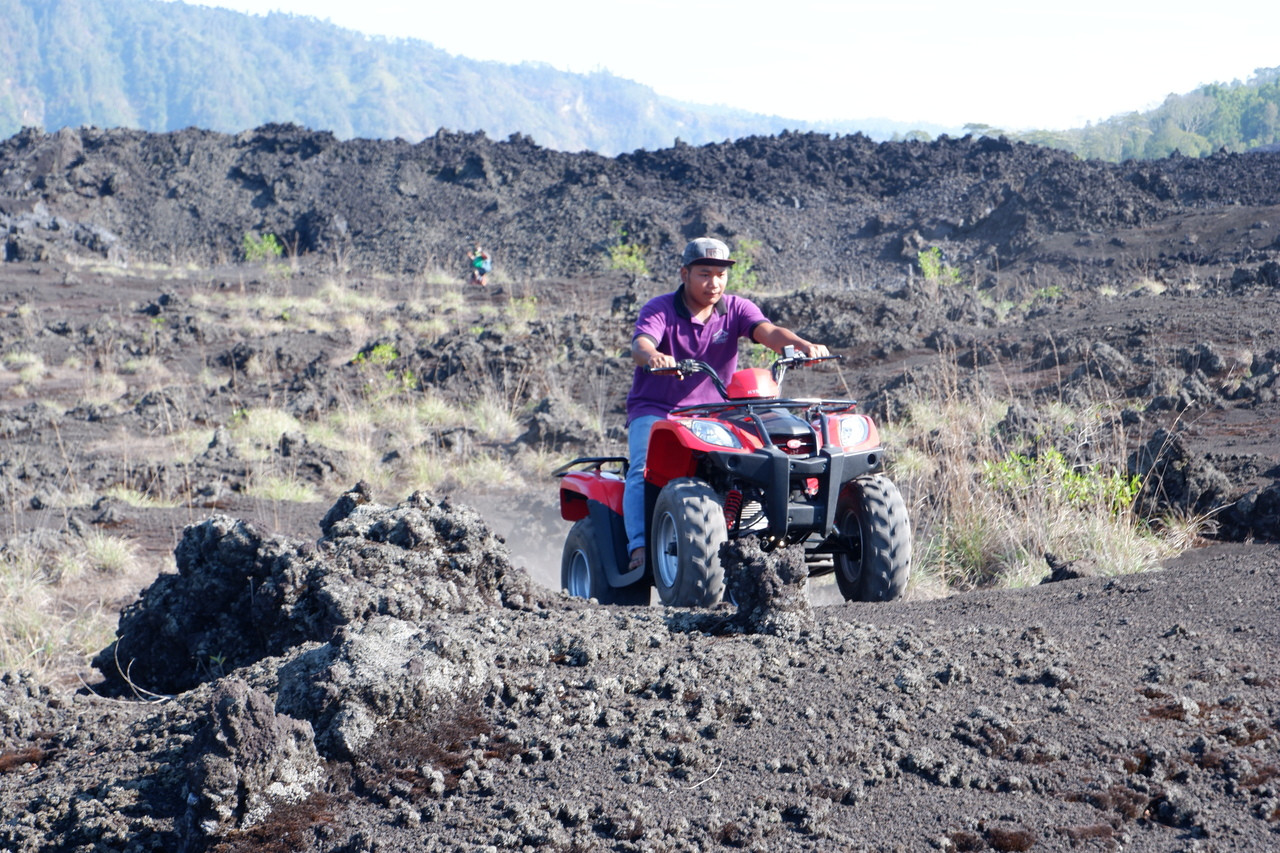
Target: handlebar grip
[[682, 368], [806, 359]]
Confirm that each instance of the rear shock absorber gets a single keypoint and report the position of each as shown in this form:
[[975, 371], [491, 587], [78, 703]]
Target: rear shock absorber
[[732, 509]]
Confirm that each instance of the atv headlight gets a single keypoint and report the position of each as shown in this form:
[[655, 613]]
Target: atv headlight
[[713, 433], [853, 430]]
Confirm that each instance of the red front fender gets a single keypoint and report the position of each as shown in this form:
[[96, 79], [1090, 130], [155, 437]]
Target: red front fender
[[674, 450]]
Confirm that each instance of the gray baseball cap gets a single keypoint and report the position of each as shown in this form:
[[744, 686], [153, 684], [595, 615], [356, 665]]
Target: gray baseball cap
[[706, 250]]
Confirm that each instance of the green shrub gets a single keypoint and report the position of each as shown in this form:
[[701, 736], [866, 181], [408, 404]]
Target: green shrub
[[381, 354], [263, 248], [523, 310], [933, 268], [743, 276], [986, 514], [755, 355], [389, 382], [632, 258], [1049, 476]]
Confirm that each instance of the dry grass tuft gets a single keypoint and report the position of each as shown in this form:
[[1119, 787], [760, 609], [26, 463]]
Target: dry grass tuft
[[58, 601], [281, 487], [256, 432], [987, 506]]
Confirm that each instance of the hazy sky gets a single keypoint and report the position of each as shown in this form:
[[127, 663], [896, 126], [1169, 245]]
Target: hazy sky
[[1014, 65]]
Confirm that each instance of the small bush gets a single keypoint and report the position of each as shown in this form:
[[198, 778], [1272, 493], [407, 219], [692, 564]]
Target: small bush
[[755, 355], [1048, 477], [381, 354], [494, 418], [522, 310], [624, 256], [110, 554], [284, 489], [256, 432], [48, 624], [387, 382], [261, 248], [743, 275], [934, 268]]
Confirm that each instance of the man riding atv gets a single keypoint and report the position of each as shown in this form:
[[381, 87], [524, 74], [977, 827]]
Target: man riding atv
[[697, 321]]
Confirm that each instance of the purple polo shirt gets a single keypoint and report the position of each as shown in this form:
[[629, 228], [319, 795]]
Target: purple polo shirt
[[667, 320]]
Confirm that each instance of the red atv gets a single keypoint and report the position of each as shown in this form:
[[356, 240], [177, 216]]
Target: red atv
[[788, 471]]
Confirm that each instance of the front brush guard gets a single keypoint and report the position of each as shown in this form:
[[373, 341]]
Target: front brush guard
[[777, 474]]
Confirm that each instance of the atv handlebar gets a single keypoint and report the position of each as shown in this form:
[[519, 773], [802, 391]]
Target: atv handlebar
[[689, 366], [683, 369], [790, 357]]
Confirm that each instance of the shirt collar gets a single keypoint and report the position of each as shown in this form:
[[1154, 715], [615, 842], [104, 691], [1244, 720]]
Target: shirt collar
[[682, 308]]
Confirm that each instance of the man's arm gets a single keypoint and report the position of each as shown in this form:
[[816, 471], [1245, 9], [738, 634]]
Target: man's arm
[[644, 352], [776, 337]]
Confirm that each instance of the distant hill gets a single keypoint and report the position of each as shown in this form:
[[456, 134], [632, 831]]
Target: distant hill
[[166, 66], [1234, 117], [162, 66]]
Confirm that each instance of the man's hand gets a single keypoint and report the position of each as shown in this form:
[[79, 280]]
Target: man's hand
[[660, 359], [644, 351], [777, 338]]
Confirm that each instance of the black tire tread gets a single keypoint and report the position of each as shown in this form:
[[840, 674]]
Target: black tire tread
[[701, 579], [886, 545], [582, 536]]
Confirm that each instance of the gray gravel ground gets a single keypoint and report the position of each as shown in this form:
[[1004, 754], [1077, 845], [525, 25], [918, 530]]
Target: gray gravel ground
[[1133, 713]]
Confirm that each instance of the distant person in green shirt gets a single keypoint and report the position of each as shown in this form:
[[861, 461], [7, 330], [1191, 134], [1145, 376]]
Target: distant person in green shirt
[[480, 266]]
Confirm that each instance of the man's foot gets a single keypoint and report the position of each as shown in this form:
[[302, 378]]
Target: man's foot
[[637, 559]]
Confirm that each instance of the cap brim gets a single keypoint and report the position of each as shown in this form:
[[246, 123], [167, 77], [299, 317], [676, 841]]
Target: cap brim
[[711, 262]]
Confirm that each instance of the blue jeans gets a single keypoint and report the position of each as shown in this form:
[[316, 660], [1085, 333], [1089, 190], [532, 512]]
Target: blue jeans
[[633, 496]]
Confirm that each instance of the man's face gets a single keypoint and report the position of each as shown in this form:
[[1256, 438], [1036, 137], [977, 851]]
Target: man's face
[[704, 283]]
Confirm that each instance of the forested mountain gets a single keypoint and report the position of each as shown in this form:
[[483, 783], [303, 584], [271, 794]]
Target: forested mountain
[[1235, 116], [165, 66]]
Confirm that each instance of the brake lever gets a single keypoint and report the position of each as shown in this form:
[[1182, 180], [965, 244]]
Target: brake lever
[[801, 360]]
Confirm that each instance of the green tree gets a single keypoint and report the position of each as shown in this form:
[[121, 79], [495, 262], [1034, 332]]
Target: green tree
[[1170, 137]]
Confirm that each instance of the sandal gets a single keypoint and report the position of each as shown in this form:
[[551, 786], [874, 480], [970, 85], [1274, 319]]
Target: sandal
[[637, 559]]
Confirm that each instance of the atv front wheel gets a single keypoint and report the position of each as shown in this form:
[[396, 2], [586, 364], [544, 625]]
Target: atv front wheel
[[582, 572], [688, 529], [874, 558]]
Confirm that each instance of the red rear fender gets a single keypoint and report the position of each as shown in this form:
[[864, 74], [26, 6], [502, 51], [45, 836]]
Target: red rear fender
[[578, 487]]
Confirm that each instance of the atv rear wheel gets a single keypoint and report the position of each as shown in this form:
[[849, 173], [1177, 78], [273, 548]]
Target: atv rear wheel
[[874, 558], [688, 529], [582, 572]]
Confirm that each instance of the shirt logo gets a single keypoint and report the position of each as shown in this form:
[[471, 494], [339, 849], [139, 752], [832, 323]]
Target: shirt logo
[[721, 336]]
